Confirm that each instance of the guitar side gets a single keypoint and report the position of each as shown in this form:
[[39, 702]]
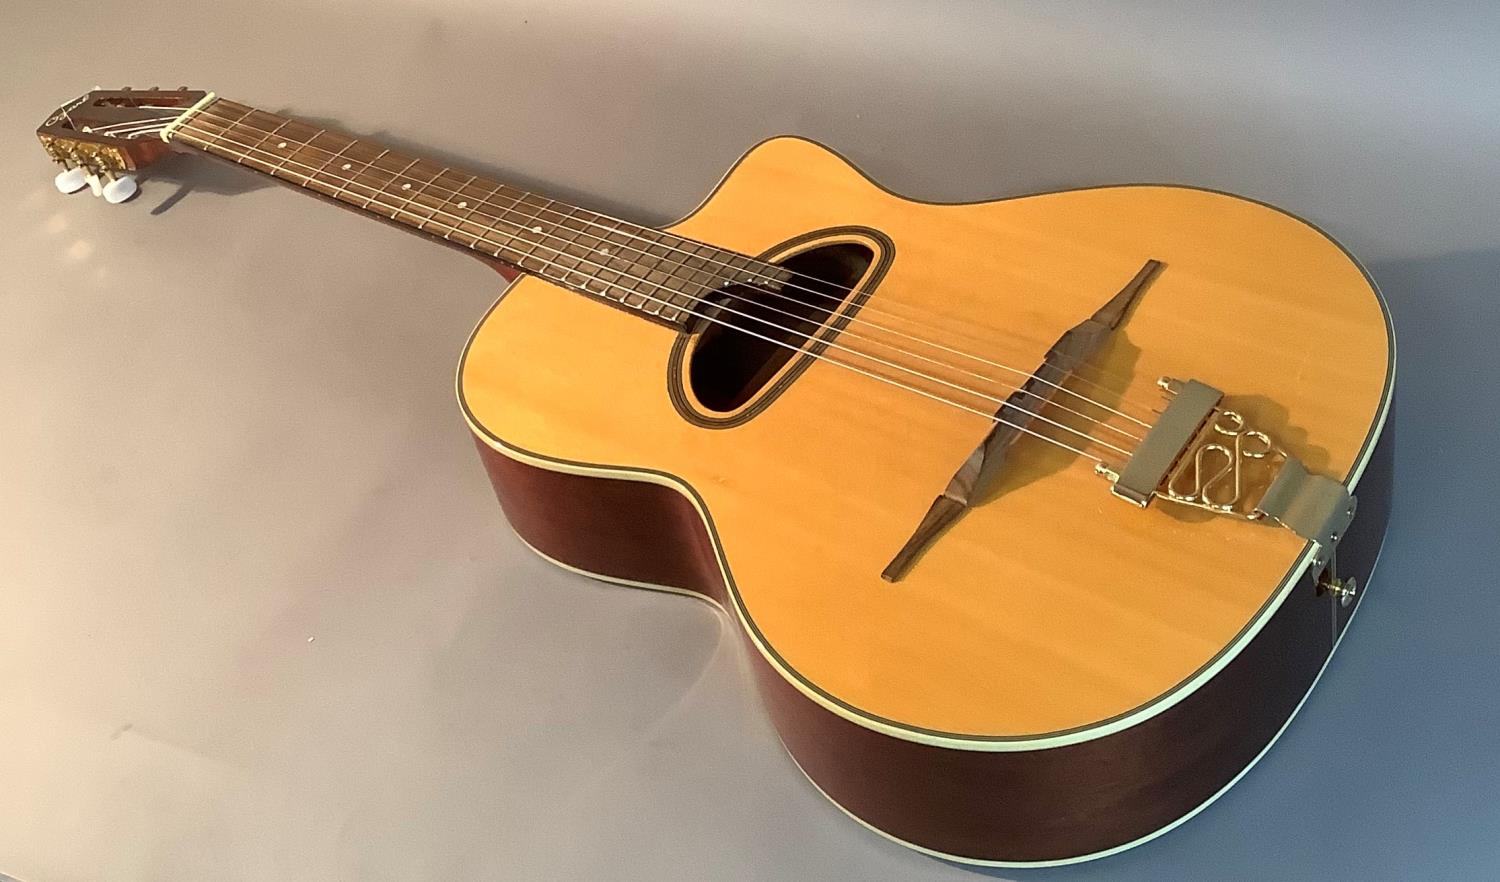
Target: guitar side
[[1031, 808], [1120, 763]]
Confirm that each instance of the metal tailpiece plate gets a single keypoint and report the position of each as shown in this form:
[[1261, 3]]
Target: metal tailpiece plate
[[1312, 506], [1166, 441]]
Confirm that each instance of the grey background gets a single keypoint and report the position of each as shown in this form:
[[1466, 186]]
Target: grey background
[[227, 429]]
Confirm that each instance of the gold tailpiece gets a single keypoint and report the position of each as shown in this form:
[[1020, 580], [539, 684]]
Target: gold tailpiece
[[1201, 455]]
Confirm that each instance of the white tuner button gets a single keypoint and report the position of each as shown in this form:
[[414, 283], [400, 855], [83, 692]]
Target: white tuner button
[[70, 180], [120, 189], [95, 185]]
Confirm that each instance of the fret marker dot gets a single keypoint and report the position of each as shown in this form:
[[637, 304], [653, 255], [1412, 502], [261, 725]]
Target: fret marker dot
[[281, 145], [346, 166], [406, 186], [604, 251], [536, 229], [463, 205]]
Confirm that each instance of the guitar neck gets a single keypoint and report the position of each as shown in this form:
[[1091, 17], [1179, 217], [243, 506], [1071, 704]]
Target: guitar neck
[[651, 272]]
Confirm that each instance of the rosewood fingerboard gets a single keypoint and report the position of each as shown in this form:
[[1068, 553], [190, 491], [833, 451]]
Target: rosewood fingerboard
[[657, 274]]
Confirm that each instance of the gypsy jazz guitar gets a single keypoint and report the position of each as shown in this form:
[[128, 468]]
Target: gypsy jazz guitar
[[1039, 517]]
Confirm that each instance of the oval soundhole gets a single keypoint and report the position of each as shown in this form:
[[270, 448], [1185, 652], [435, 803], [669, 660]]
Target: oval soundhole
[[753, 332]]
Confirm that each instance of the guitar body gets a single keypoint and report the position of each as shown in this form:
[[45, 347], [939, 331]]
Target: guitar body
[[892, 440], [1061, 674]]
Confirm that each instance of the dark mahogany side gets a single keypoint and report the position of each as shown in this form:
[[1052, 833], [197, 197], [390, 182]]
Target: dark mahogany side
[[1020, 806], [626, 529]]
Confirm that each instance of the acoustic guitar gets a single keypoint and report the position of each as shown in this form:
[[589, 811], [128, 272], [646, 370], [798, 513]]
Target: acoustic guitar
[[1037, 515]]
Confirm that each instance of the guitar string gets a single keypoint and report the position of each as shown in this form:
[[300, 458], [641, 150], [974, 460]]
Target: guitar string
[[993, 418], [282, 161], [128, 129], [133, 127], [832, 314], [569, 216], [572, 215], [567, 272]]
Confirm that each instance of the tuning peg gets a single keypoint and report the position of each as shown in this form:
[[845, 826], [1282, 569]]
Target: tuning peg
[[120, 189], [96, 186], [70, 180]]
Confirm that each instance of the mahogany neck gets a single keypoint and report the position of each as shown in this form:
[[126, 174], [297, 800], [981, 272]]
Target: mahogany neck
[[657, 274]]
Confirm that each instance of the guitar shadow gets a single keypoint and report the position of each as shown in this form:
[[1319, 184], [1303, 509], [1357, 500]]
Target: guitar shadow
[[189, 176]]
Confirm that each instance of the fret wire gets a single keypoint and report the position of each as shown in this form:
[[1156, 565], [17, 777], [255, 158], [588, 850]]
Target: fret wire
[[716, 279], [270, 134], [579, 232], [491, 228], [663, 266], [265, 163], [680, 299], [916, 389], [577, 261], [619, 255], [334, 158], [744, 267], [382, 188], [684, 264], [515, 207], [677, 269], [682, 270], [373, 169], [443, 201], [611, 288], [552, 202], [636, 279], [655, 261], [689, 279], [354, 176], [635, 288], [780, 273], [700, 269], [616, 247], [453, 228], [293, 152], [518, 204], [219, 136], [546, 262], [604, 266], [415, 191], [397, 211], [605, 240], [654, 307], [523, 228], [519, 199]]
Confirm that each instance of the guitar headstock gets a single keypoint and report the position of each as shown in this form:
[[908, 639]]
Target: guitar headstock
[[104, 137]]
